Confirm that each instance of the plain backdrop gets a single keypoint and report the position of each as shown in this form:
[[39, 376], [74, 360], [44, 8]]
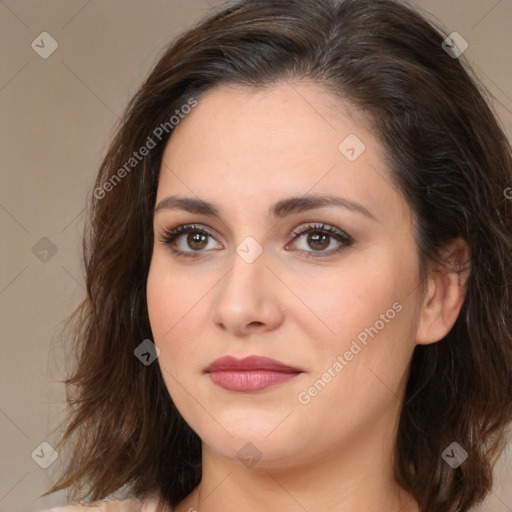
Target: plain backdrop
[[57, 115]]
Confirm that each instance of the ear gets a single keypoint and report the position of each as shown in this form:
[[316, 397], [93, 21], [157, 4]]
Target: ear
[[446, 291]]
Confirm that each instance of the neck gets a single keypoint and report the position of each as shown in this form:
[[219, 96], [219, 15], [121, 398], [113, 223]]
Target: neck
[[357, 476]]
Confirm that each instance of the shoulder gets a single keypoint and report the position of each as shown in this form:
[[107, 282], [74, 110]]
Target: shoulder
[[148, 504]]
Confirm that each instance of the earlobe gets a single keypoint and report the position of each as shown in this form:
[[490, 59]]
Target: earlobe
[[445, 294]]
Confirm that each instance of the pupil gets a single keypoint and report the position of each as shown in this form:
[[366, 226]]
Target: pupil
[[319, 237], [195, 239]]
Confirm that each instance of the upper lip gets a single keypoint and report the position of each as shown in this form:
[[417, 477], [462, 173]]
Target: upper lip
[[230, 363]]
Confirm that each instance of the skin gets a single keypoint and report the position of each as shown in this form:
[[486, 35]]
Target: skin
[[243, 151]]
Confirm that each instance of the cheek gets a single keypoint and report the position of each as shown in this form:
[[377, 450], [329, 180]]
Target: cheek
[[164, 310], [169, 297], [369, 362], [368, 319], [158, 301], [344, 302], [173, 319], [176, 314]]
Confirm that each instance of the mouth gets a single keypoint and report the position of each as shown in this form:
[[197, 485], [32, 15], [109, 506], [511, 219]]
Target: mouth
[[253, 373]]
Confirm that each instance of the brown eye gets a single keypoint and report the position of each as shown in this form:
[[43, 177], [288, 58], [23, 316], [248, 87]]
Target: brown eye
[[197, 241], [318, 241], [192, 245], [317, 238]]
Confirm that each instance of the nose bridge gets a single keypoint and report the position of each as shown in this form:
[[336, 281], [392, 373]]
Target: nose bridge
[[245, 296], [246, 280]]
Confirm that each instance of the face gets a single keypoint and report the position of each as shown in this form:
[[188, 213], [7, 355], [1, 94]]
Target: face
[[328, 290]]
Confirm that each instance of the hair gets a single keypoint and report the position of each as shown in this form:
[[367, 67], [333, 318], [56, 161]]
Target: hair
[[447, 155]]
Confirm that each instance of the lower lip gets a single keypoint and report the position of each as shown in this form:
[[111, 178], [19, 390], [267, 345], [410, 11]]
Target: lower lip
[[250, 380]]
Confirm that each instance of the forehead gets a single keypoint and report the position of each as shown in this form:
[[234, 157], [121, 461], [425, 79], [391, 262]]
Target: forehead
[[301, 119], [243, 145]]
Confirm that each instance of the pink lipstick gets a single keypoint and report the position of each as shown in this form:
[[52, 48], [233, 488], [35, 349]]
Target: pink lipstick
[[252, 373]]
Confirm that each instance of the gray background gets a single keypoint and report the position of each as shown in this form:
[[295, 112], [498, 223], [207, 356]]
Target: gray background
[[57, 116]]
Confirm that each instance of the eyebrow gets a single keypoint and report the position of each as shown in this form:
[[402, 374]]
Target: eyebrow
[[282, 208]]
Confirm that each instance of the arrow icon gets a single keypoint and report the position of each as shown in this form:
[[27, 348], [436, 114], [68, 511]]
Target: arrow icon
[[455, 45], [352, 147], [44, 455], [249, 249], [44, 45], [249, 455], [44, 250], [454, 455], [146, 352]]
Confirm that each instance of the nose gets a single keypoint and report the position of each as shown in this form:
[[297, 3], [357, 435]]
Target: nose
[[247, 298]]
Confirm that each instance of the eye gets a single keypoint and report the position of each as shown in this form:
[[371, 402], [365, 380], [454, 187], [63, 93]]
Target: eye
[[197, 239], [319, 237]]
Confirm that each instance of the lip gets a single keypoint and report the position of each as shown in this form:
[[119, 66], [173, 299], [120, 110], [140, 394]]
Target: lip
[[252, 373], [230, 363]]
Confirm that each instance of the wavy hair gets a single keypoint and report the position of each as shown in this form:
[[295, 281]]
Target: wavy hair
[[448, 156]]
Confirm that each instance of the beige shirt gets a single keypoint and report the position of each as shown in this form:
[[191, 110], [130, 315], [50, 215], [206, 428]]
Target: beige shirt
[[127, 505]]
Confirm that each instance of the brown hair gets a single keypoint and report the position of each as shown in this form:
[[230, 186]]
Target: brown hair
[[449, 158]]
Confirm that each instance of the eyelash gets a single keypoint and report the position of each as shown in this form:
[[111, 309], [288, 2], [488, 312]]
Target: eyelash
[[168, 236]]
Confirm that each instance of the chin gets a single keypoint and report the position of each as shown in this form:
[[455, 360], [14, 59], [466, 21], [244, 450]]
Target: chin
[[249, 434]]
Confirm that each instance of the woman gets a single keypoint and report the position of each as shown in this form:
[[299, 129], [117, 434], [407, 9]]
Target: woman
[[298, 274]]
